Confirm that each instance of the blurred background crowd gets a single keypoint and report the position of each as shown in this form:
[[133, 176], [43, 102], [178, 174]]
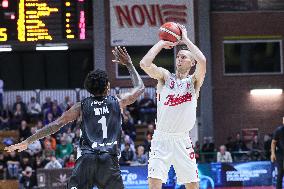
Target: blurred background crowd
[[60, 150]]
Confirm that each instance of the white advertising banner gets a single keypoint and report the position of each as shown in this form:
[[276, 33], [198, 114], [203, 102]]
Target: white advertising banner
[[137, 22]]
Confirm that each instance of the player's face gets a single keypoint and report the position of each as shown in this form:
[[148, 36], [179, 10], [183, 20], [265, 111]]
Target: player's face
[[184, 61]]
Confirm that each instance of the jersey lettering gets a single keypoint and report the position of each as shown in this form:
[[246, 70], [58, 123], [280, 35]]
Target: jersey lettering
[[100, 111]]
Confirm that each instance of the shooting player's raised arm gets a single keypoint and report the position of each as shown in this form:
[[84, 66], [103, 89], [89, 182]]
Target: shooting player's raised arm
[[149, 67]]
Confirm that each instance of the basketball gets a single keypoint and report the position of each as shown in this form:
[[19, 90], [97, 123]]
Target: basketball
[[170, 32]]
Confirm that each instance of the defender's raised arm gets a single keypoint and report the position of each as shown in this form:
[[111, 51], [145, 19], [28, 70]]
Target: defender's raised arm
[[72, 114], [122, 57]]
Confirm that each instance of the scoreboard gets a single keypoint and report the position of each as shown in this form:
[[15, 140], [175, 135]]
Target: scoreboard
[[44, 20]]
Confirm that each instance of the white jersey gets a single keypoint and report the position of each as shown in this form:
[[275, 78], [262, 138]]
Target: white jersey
[[176, 105]]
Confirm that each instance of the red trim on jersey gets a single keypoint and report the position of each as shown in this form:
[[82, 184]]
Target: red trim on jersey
[[159, 97], [196, 173], [187, 85], [172, 84]]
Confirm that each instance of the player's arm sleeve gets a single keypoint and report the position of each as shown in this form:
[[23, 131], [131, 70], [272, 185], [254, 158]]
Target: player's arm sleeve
[[68, 116]]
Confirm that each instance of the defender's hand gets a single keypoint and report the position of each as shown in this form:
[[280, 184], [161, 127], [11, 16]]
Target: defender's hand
[[20, 147], [121, 56]]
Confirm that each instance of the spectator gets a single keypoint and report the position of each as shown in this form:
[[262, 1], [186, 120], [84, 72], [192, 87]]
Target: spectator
[[55, 110], [223, 155], [255, 151], [35, 147], [64, 106], [48, 119], [53, 164], [13, 165], [229, 144], [18, 116], [128, 140], [64, 149], [47, 105], [28, 179], [38, 163], [49, 140], [208, 149], [34, 109], [150, 129], [69, 135], [39, 124], [77, 137], [127, 155], [1, 94], [5, 119], [147, 142], [71, 161], [239, 145], [25, 162], [22, 106], [267, 145], [24, 131], [128, 125], [239, 148], [48, 150], [3, 167], [140, 158], [147, 108], [134, 111]]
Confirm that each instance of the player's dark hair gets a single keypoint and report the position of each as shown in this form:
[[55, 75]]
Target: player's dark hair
[[96, 82]]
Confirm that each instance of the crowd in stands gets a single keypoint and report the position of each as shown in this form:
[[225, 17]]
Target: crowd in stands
[[60, 149], [236, 150]]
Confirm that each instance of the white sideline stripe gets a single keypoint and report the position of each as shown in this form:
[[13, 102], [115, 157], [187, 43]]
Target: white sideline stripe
[[170, 32]]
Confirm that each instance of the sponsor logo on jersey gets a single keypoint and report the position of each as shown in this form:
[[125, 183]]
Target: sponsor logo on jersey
[[173, 100]]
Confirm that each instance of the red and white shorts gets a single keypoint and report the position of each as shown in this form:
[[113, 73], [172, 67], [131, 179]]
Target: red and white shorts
[[172, 149]]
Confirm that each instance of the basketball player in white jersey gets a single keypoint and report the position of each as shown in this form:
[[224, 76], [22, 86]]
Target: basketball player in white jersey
[[177, 96]]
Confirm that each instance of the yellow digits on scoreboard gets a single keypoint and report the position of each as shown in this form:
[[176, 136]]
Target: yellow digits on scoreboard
[[3, 34]]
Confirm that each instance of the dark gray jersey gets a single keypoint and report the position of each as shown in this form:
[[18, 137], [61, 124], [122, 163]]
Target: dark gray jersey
[[101, 124]]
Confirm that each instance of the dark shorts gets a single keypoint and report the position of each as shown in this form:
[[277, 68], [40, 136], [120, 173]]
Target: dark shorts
[[101, 170]]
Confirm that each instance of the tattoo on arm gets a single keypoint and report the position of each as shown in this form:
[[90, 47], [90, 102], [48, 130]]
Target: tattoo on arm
[[136, 79], [138, 89], [72, 114]]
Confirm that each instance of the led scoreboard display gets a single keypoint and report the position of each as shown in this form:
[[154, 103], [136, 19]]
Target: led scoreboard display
[[43, 20]]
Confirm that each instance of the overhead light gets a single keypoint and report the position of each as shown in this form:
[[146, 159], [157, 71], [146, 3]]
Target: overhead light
[[5, 48], [52, 47], [262, 92], [55, 48]]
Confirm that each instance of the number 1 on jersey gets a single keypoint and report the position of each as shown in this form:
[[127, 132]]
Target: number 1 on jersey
[[104, 126]]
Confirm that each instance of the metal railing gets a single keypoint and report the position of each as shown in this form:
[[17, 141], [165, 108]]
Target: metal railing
[[75, 95]]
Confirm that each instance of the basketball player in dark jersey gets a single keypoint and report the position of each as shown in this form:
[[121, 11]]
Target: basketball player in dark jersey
[[101, 128]]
